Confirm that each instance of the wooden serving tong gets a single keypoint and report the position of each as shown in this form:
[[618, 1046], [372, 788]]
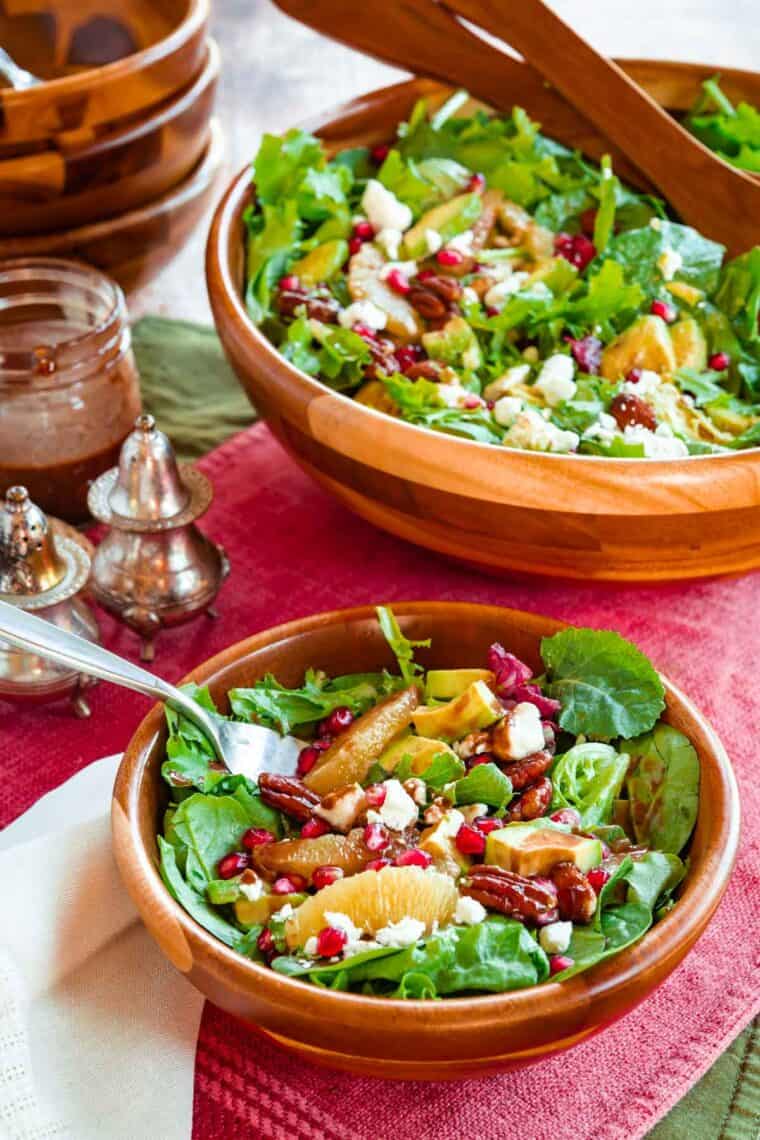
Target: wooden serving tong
[[427, 37]]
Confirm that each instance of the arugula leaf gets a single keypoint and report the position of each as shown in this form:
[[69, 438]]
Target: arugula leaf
[[343, 354], [608, 296], [192, 900], [402, 647], [663, 787], [188, 752], [605, 684], [604, 223], [273, 236], [739, 293], [282, 162], [485, 783], [588, 778], [444, 768], [422, 185], [703, 386], [272, 704]]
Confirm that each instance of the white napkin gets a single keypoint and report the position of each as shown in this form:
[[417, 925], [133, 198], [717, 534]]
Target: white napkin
[[97, 1030]]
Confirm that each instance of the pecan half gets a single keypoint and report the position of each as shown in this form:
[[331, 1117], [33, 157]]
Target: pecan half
[[447, 288], [575, 895], [383, 359], [288, 795], [425, 370], [522, 773], [427, 304], [322, 307], [528, 900], [533, 802]]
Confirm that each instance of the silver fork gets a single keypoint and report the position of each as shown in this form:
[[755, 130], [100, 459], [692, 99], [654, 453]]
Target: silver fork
[[245, 749], [18, 77]]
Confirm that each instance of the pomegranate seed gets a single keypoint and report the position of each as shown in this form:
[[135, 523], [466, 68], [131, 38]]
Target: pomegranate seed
[[413, 858], [491, 311], [325, 876], [634, 375], [560, 962], [472, 401], [719, 361], [307, 758], [314, 827], [567, 815], [290, 282], [398, 281], [232, 865], [365, 231], [477, 183], [380, 152], [563, 245], [366, 333], [338, 721], [354, 245], [265, 943], [288, 885], [584, 251], [257, 837], [376, 794], [470, 840], [597, 877], [664, 310], [426, 274], [588, 221], [376, 838], [409, 354], [485, 826], [449, 257], [377, 864], [479, 758], [331, 941]]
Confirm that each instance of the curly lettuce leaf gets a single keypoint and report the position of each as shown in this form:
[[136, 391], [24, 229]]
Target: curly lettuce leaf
[[282, 162], [335, 354], [588, 778], [277, 706], [273, 236], [663, 788], [604, 683], [403, 648]]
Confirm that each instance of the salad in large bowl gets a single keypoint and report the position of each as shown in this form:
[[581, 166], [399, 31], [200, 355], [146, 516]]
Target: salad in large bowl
[[447, 832], [475, 277]]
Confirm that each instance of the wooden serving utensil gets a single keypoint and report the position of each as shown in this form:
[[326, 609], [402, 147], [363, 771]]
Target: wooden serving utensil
[[427, 38]]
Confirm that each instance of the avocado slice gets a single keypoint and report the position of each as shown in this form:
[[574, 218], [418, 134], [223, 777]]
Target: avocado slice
[[448, 220], [528, 849], [454, 344], [475, 708], [645, 344], [220, 892], [421, 749], [727, 419], [445, 684], [321, 263], [689, 344], [685, 292]]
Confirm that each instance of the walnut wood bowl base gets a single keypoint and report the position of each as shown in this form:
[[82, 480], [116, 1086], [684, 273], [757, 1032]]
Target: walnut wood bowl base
[[453, 1038], [502, 509]]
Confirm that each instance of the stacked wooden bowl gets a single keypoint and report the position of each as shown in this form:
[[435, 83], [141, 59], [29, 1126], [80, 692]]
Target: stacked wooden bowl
[[113, 157]]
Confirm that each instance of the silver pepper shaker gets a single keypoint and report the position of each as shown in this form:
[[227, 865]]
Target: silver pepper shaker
[[44, 567], [154, 568]]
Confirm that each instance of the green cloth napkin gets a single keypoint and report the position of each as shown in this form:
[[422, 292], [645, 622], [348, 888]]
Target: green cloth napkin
[[190, 388]]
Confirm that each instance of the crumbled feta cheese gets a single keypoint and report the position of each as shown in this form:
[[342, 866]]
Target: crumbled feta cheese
[[668, 263], [659, 444], [462, 243], [433, 241], [454, 395], [450, 824], [310, 947], [605, 428], [469, 296], [342, 922], [383, 209], [389, 241], [522, 730], [471, 357], [555, 938], [405, 932], [252, 889], [398, 810], [508, 380], [408, 268], [498, 293], [555, 380], [507, 409], [285, 911], [534, 433], [655, 223], [648, 384], [362, 313], [531, 354], [352, 948], [469, 911]]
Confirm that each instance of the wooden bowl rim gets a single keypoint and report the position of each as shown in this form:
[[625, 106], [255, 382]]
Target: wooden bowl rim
[[197, 15], [197, 182], [617, 976], [228, 218]]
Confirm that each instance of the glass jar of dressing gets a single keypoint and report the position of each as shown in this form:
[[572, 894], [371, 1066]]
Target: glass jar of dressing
[[69, 391]]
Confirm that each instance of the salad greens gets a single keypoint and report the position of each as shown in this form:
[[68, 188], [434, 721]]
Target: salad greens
[[477, 278], [408, 872]]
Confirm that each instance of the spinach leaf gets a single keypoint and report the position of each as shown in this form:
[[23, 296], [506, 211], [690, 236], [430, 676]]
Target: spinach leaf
[[192, 900], [402, 647], [485, 783], [209, 827], [272, 704], [588, 778], [606, 686], [663, 787], [442, 769], [189, 753], [739, 293], [638, 252], [655, 874]]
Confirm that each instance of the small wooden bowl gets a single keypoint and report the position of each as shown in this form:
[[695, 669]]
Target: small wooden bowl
[[104, 61], [569, 516], [457, 1037], [57, 190], [134, 247]]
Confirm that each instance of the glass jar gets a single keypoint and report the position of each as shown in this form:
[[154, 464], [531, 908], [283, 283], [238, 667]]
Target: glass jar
[[69, 390]]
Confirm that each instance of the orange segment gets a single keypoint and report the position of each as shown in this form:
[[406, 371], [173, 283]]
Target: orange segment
[[373, 899], [303, 856], [349, 759]]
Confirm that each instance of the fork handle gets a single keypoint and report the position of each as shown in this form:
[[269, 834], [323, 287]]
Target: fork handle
[[35, 635]]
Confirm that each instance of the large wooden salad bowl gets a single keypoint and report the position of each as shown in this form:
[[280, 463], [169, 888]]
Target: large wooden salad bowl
[[571, 516], [455, 1037]]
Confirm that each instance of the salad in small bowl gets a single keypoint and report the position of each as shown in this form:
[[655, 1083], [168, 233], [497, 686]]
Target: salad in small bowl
[[420, 923]]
